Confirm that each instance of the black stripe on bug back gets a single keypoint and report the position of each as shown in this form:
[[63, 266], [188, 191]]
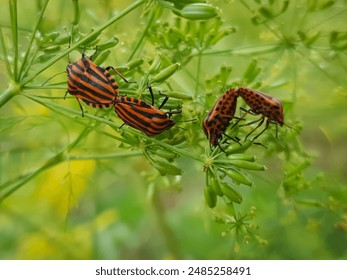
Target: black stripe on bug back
[[91, 83], [142, 116]]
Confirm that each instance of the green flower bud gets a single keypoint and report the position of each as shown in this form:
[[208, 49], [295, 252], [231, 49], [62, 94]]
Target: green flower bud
[[237, 148], [214, 185], [221, 34], [166, 73], [166, 154], [130, 138], [62, 39], [155, 64], [230, 193], [210, 197], [198, 11], [242, 157], [238, 176], [164, 167], [52, 49], [134, 63], [248, 165], [175, 140], [179, 95], [101, 57], [109, 44]]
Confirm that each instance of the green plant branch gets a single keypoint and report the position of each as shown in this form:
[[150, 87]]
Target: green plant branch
[[82, 41], [9, 93], [16, 183], [142, 37], [14, 28], [77, 13], [59, 108], [4, 53], [33, 34], [26, 68], [198, 71], [245, 50], [105, 156]]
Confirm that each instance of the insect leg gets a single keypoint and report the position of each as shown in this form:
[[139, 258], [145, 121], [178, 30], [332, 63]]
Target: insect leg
[[119, 74], [266, 127], [79, 103], [152, 95], [261, 120]]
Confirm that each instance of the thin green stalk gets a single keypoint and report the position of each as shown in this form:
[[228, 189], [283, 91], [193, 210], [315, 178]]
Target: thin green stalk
[[15, 184], [59, 108], [144, 34], [80, 137], [8, 94], [82, 41], [14, 27], [63, 87], [198, 71], [246, 50], [33, 34], [105, 156], [77, 13], [66, 111], [4, 53], [27, 67]]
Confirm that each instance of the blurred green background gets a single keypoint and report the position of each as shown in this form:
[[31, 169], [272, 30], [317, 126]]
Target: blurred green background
[[119, 206]]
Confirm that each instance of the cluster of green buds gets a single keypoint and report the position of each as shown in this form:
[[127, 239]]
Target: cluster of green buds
[[184, 38], [268, 11], [230, 164], [50, 44], [193, 9], [163, 161], [338, 41]]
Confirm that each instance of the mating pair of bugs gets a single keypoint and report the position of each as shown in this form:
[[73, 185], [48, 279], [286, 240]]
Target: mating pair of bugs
[[96, 87], [219, 118]]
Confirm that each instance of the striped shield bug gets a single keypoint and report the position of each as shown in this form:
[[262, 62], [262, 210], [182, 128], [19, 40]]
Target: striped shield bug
[[91, 83], [143, 116], [264, 104], [219, 117]]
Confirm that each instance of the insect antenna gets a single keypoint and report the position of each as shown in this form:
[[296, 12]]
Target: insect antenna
[[292, 128], [55, 75]]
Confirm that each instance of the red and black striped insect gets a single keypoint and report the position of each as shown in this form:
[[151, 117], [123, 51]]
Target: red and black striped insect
[[143, 116], [264, 104], [219, 117], [91, 83]]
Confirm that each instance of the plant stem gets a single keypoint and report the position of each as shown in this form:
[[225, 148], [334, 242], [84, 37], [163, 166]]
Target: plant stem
[[247, 50], [17, 183], [144, 34], [14, 27], [105, 156], [8, 94], [38, 22], [81, 42], [4, 53], [198, 71], [60, 109]]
